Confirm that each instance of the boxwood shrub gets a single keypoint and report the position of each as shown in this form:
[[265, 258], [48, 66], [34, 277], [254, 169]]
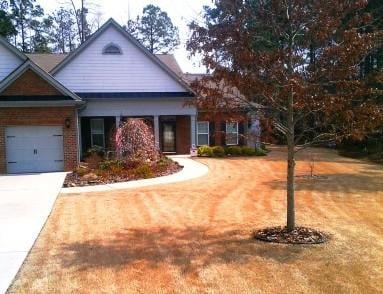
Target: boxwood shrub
[[248, 151], [234, 150], [218, 151], [205, 151]]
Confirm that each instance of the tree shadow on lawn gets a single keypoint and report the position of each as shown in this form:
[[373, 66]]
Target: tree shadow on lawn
[[321, 155], [189, 249], [368, 181]]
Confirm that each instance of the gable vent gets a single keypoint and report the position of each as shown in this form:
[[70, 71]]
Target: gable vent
[[112, 49]]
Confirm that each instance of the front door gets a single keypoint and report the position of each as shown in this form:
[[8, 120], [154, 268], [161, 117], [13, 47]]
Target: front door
[[169, 136]]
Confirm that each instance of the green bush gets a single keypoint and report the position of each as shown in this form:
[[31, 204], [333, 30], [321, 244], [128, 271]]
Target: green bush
[[205, 151], [233, 150], [218, 151], [260, 152], [248, 151], [144, 171], [112, 164], [98, 150]]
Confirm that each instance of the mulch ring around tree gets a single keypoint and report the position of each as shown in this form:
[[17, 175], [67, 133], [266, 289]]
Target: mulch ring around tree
[[300, 235]]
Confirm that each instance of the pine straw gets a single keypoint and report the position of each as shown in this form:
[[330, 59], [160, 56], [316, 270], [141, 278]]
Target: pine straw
[[300, 235]]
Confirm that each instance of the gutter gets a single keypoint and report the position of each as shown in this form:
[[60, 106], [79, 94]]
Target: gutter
[[62, 103]]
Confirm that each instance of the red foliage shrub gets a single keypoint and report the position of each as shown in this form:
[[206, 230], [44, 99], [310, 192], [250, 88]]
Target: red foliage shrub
[[135, 140]]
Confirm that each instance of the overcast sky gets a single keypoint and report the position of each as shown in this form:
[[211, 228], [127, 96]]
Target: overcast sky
[[180, 11]]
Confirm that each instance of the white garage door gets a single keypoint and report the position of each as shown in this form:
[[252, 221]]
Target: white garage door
[[34, 149]]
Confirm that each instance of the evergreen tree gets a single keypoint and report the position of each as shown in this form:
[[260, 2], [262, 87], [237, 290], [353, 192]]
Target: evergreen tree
[[25, 14], [63, 24], [7, 28], [155, 30]]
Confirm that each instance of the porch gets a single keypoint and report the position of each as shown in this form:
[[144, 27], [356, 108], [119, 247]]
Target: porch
[[174, 134]]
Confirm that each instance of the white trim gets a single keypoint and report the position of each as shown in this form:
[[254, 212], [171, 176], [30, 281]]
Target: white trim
[[92, 133], [237, 132], [208, 131]]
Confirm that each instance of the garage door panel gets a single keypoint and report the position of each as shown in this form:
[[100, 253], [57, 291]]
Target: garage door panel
[[34, 149], [14, 154]]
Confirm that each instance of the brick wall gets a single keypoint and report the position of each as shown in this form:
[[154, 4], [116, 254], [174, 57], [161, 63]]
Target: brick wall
[[30, 84], [54, 116], [183, 135]]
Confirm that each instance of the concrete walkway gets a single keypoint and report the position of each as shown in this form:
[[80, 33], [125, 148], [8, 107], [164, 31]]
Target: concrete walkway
[[25, 204], [191, 169]]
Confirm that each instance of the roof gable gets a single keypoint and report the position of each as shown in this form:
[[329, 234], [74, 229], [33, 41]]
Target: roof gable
[[22, 82], [10, 58], [131, 69]]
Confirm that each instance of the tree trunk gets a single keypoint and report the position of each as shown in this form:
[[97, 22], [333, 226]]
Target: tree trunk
[[290, 163], [290, 184], [21, 16], [290, 134], [82, 22]]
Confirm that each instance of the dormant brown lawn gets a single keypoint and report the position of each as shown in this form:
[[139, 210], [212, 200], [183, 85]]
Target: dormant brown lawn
[[196, 236]]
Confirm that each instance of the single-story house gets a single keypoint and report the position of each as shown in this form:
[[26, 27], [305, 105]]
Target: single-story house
[[54, 107]]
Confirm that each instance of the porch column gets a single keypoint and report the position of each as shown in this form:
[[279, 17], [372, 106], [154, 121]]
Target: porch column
[[117, 122], [193, 141], [156, 121]]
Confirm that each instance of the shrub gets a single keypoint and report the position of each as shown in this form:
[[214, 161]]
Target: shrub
[[218, 151], [164, 162], [233, 150], [93, 160], [260, 152], [98, 150], [112, 165], [136, 141], [205, 151], [248, 151], [144, 171], [81, 171]]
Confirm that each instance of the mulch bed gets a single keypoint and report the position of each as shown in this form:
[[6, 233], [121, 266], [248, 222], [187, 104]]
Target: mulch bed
[[300, 235], [75, 180]]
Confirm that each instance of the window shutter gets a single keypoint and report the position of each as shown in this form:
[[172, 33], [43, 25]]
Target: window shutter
[[223, 133], [241, 133], [211, 133]]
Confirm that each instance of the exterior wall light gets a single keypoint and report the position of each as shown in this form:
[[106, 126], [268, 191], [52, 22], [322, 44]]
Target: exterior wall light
[[67, 122]]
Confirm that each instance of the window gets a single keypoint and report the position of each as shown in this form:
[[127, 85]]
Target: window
[[112, 49], [231, 133], [97, 132], [202, 133]]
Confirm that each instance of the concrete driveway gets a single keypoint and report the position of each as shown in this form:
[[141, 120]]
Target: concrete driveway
[[25, 204]]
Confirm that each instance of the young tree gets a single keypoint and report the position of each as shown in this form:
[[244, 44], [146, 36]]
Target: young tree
[[135, 140], [155, 30], [298, 58]]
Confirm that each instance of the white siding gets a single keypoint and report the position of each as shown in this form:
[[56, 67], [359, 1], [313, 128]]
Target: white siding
[[133, 71], [8, 62], [143, 107]]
